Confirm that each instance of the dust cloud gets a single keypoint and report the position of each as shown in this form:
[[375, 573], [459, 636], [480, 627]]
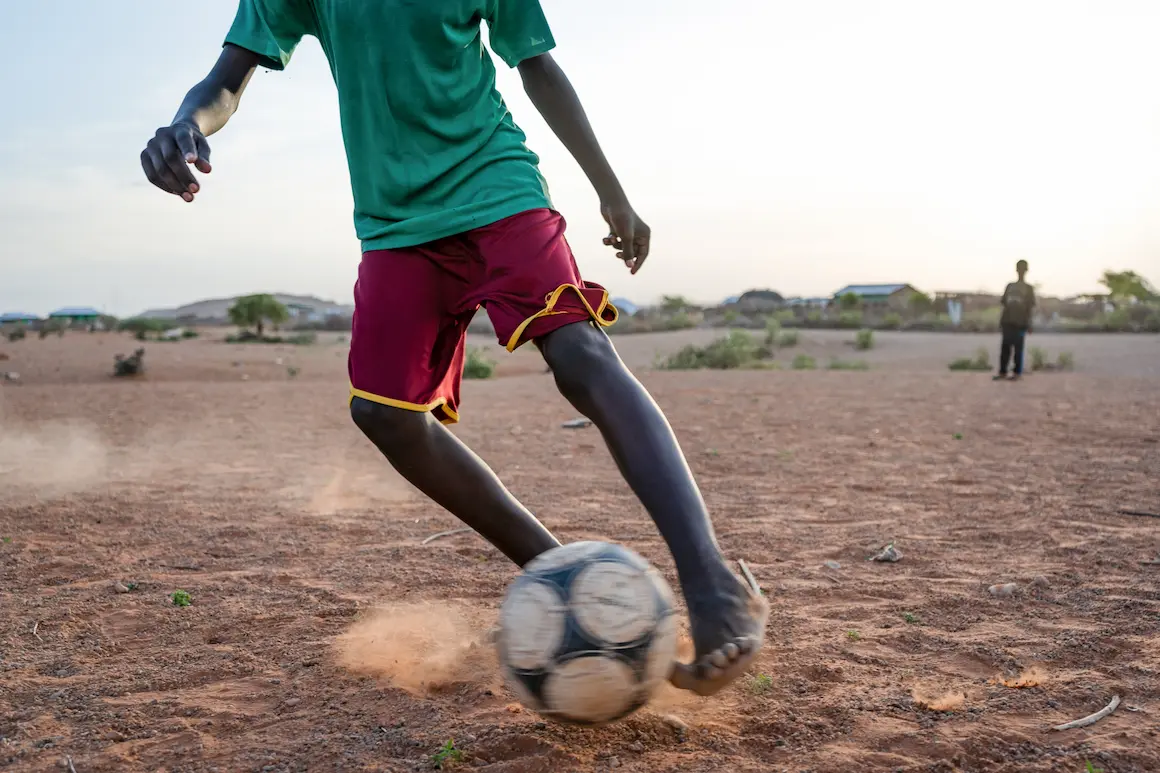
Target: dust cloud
[[420, 646], [50, 460]]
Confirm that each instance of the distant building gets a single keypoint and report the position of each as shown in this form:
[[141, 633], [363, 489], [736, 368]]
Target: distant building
[[73, 314], [895, 296], [625, 306], [760, 301], [17, 318]]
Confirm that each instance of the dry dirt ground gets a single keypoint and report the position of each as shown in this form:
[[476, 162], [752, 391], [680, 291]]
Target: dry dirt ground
[[323, 636]]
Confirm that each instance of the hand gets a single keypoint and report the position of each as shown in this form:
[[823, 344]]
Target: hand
[[168, 156], [627, 234]]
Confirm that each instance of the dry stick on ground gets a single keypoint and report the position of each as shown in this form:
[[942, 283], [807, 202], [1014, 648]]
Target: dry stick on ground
[[71, 769], [441, 534], [1141, 513], [36, 625], [1091, 719]]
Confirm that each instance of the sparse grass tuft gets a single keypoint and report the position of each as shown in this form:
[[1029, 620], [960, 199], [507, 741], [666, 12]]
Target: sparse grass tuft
[[446, 755], [736, 350], [180, 598], [788, 339], [980, 362], [958, 436], [864, 339], [848, 365], [804, 362], [292, 371], [1038, 358], [911, 618], [853, 635], [6, 540], [1090, 768], [760, 684], [477, 364], [1065, 361], [772, 331]]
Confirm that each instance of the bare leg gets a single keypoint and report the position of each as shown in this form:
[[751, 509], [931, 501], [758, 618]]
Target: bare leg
[[727, 619], [438, 464]]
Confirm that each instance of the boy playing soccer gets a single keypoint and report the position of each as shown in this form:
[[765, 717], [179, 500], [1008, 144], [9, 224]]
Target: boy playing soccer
[[453, 214]]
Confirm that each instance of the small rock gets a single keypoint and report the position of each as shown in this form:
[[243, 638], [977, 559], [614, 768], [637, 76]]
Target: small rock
[[120, 587], [291, 702], [277, 360], [613, 762], [580, 423], [245, 377], [1006, 589], [888, 554], [1041, 582], [636, 746], [831, 565], [11, 376]]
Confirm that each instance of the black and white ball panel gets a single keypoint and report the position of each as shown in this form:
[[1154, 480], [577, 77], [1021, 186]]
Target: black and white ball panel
[[587, 632]]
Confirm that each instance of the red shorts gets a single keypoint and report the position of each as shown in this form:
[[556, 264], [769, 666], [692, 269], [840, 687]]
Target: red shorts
[[413, 305]]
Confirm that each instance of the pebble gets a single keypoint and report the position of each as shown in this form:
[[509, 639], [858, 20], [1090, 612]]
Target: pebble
[[291, 702], [120, 587], [613, 762], [11, 376], [1041, 582], [831, 565], [636, 746], [1006, 589]]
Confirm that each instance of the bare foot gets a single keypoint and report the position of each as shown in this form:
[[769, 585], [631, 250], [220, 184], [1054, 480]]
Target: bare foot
[[728, 626]]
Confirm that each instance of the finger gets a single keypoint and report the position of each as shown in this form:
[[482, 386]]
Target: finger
[[162, 175], [203, 164], [186, 144], [627, 248], [178, 168], [642, 246]]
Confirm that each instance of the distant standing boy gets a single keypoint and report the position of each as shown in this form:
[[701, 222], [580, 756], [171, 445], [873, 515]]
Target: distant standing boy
[[454, 215], [1015, 321]]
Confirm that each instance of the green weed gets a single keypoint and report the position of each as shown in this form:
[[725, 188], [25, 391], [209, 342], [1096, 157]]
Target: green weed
[[853, 635], [446, 755], [980, 362], [180, 598], [848, 365], [911, 618], [804, 362], [477, 364], [761, 684], [864, 339]]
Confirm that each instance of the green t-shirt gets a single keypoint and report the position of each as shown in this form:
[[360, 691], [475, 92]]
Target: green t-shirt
[[432, 148]]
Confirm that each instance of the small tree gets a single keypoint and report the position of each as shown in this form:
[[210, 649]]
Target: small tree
[[256, 310], [1125, 285], [673, 303], [849, 301]]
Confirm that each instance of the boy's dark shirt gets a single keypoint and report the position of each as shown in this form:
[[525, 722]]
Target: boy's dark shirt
[[1018, 303]]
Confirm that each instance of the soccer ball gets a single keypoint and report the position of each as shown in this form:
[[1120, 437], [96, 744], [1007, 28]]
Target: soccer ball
[[587, 633]]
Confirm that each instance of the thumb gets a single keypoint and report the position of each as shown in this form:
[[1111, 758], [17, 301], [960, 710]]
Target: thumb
[[202, 162]]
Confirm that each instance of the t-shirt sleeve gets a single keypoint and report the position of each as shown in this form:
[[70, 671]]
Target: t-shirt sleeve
[[518, 30], [270, 28]]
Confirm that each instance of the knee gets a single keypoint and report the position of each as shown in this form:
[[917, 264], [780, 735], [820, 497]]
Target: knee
[[580, 357], [391, 429]]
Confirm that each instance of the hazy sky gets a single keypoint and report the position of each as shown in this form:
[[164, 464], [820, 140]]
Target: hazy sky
[[770, 143]]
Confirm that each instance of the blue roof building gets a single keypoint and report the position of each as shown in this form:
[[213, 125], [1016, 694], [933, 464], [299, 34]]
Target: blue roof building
[[75, 312], [18, 317], [625, 306]]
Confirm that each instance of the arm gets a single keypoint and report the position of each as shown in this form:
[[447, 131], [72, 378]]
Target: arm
[[206, 109], [552, 94]]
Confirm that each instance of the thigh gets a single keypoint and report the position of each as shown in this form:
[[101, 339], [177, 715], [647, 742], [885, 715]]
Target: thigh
[[407, 341], [530, 283]]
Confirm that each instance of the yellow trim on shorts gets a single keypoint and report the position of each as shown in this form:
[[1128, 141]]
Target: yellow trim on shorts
[[549, 310], [451, 418]]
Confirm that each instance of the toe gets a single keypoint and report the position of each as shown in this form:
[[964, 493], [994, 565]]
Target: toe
[[731, 651]]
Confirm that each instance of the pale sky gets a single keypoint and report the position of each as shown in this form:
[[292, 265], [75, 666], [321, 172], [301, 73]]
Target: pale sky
[[769, 143]]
